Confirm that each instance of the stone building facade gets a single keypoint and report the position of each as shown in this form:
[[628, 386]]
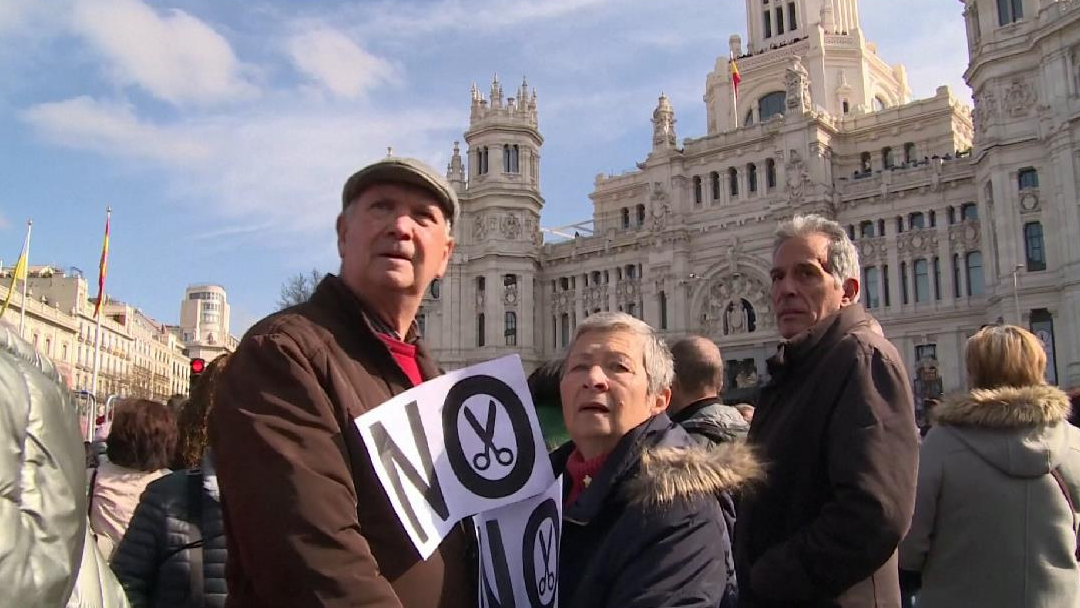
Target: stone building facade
[[961, 217]]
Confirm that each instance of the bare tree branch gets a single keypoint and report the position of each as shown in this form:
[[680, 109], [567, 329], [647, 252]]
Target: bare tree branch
[[298, 288]]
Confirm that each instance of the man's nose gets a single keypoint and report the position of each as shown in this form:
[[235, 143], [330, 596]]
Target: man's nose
[[401, 226]]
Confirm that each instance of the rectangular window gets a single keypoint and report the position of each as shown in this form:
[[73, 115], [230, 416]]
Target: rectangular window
[[974, 273], [793, 23], [922, 281], [1010, 11], [662, 300], [480, 330], [937, 278], [768, 23], [925, 351], [956, 275], [779, 21], [1028, 178], [510, 331], [870, 280], [903, 283], [885, 284], [1034, 247]]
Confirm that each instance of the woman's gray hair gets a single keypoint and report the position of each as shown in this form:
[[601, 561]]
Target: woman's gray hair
[[659, 368], [842, 256]]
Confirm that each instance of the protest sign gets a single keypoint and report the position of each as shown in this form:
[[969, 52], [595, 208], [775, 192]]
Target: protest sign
[[459, 444], [519, 552]]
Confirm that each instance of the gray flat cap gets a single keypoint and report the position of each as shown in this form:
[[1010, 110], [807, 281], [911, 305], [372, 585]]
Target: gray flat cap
[[402, 170]]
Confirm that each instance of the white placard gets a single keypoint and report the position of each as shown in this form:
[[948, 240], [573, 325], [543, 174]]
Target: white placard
[[462, 443], [519, 552]]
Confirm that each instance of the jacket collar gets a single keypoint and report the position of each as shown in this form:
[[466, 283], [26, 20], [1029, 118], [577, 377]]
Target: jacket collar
[[336, 299], [657, 464], [1004, 407], [815, 340], [694, 408]]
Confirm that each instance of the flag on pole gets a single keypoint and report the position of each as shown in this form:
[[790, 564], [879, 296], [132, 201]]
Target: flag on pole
[[18, 275], [735, 78], [103, 266]]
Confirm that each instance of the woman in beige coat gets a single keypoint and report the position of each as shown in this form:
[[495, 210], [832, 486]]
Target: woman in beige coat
[[995, 520]]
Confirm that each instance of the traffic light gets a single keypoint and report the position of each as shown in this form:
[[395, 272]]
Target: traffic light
[[198, 366]]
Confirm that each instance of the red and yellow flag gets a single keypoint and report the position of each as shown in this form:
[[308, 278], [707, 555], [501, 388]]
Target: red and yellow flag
[[735, 77], [19, 274], [103, 266]]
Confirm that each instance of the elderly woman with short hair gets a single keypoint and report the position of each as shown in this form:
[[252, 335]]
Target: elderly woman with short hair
[[999, 480], [642, 526]]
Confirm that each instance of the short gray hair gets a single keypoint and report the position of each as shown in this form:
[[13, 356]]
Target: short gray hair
[[659, 368], [842, 256]]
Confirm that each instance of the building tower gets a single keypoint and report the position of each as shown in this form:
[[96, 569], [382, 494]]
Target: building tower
[[204, 322], [1023, 71], [493, 274], [822, 39]]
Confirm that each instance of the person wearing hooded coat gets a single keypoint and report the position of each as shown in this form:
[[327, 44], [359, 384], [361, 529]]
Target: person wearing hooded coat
[[995, 522], [47, 557], [642, 526]]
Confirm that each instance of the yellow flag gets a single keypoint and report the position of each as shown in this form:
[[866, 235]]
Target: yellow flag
[[19, 274]]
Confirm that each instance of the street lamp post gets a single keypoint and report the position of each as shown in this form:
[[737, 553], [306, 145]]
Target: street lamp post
[[1016, 294]]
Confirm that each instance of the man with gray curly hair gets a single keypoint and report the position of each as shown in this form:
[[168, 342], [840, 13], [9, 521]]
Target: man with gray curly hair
[[642, 524], [836, 426]]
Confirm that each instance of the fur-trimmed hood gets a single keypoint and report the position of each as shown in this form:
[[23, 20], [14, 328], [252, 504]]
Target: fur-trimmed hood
[[1023, 432], [668, 474], [1005, 407]]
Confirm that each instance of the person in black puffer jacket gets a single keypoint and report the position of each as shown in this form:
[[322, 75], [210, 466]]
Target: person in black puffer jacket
[[173, 554]]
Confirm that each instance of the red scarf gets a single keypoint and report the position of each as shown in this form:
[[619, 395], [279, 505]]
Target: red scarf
[[581, 472]]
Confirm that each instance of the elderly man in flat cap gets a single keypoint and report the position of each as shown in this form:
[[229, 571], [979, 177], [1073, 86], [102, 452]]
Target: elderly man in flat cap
[[307, 521]]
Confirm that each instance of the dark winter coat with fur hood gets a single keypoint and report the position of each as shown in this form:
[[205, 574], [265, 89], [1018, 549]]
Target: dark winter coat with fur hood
[[992, 527], [648, 530]]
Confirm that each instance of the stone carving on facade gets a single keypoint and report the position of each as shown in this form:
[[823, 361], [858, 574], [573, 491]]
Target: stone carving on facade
[[511, 227], [747, 376], [480, 298], [872, 250], [1029, 201], [917, 242], [985, 109], [479, 232], [797, 82], [796, 177], [661, 216], [510, 294], [1019, 98], [735, 304], [965, 236]]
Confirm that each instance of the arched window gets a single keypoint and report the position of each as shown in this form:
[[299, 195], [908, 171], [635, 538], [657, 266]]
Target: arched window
[[510, 332], [881, 227], [916, 220], [771, 104], [866, 229], [768, 23], [484, 160], [922, 281], [751, 177], [714, 181], [436, 289], [515, 159], [697, 189], [909, 153], [950, 214], [770, 173], [625, 217], [880, 104], [886, 157], [1028, 178], [974, 273], [506, 158], [865, 165], [846, 106], [480, 341], [641, 215], [933, 218], [1033, 246], [564, 329], [733, 182]]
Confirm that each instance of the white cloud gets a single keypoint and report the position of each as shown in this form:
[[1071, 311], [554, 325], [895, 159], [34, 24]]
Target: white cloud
[[175, 57], [113, 129], [421, 18], [336, 63]]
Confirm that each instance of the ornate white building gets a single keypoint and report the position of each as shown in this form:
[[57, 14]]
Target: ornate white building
[[962, 218]]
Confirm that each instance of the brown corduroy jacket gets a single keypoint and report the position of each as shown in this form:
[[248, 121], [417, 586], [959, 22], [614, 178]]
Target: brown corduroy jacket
[[307, 522]]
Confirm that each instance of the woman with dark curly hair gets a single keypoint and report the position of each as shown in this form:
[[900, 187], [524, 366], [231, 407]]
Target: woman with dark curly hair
[[174, 551], [140, 447]]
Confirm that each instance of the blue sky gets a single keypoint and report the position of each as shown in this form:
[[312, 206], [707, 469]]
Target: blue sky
[[221, 133]]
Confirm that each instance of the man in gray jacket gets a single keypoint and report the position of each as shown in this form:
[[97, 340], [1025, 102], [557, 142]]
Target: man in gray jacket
[[695, 394]]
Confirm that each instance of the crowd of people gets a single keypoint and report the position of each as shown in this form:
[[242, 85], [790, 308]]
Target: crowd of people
[[257, 490]]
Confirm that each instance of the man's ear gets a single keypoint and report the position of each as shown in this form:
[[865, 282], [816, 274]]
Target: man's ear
[[446, 257], [851, 291]]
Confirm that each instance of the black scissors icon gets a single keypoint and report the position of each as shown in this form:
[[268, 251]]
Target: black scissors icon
[[546, 582], [486, 433]]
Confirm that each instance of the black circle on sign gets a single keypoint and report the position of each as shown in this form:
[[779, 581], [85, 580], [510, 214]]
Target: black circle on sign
[[543, 512], [525, 449]]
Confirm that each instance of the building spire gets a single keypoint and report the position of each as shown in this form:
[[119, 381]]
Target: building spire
[[663, 125]]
